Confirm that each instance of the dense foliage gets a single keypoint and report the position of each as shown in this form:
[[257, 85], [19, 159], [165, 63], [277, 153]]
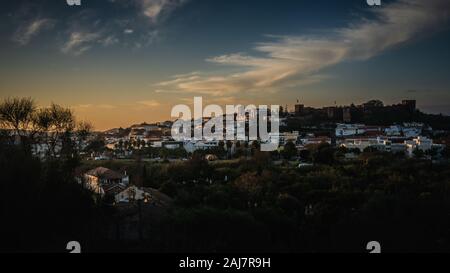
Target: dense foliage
[[403, 203], [252, 204]]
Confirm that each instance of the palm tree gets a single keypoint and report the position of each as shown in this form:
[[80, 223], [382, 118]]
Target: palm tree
[[229, 147]]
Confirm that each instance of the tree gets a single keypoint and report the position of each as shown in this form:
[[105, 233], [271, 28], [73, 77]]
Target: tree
[[290, 150], [52, 124], [229, 147], [418, 153], [97, 145], [229, 144], [253, 187], [50, 128], [17, 114], [83, 131], [305, 154], [221, 144], [323, 154], [374, 104], [135, 144], [238, 144], [146, 178], [240, 150], [446, 152], [261, 160], [255, 146]]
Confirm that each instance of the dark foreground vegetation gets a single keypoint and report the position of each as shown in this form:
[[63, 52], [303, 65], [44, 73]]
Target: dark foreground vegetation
[[339, 206]]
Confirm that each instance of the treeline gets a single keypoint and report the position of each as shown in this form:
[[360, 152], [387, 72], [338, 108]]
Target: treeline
[[52, 129], [380, 116], [42, 207]]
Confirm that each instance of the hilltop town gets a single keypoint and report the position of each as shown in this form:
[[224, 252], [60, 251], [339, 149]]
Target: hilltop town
[[396, 128]]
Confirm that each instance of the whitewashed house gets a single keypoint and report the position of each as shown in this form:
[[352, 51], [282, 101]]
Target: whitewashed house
[[131, 194], [192, 146], [343, 130], [146, 195], [423, 144]]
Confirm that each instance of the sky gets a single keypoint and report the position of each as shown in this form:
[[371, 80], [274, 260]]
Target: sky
[[122, 62]]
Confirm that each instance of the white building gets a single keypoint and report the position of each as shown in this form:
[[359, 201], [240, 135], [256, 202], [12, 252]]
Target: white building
[[420, 143], [283, 138], [411, 132], [363, 143], [412, 129], [289, 137], [151, 127], [131, 194], [343, 130], [315, 140], [394, 130], [147, 195], [192, 146]]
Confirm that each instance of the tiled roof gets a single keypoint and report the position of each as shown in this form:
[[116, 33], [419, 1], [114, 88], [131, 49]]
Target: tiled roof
[[104, 173], [113, 189]]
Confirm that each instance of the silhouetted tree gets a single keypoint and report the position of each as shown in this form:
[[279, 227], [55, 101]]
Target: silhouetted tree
[[290, 150], [17, 114]]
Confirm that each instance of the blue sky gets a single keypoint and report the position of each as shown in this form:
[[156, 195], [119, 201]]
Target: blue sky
[[117, 62]]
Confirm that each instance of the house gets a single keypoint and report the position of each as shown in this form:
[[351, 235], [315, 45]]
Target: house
[[211, 157], [147, 195], [152, 136], [412, 129], [289, 137], [394, 130], [112, 189], [383, 144], [150, 127], [305, 165], [192, 146], [105, 181], [362, 143], [423, 144], [131, 194], [172, 145], [343, 130], [315, 140], [137, 134]]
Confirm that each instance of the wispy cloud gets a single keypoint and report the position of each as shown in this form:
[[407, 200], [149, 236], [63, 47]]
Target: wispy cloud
[[27, 32], [149, 103], [109, 41], [154, 9], [79, 42], [93, 106], [137, 26], [294, 60]]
